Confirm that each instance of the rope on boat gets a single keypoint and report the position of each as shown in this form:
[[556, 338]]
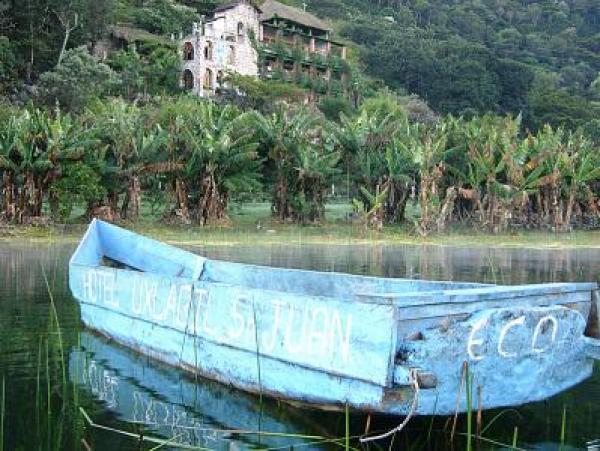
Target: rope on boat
[[411, 412]]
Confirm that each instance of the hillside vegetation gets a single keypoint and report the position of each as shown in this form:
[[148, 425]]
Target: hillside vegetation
[[481, 114], [540, 58]]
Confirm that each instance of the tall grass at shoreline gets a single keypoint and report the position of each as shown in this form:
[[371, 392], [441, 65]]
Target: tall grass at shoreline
[[2, 414]]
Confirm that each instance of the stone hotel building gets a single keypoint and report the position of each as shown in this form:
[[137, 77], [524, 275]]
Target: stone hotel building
[[273, 41]]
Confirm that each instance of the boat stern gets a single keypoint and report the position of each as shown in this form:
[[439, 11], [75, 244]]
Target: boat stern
[[504, 356]]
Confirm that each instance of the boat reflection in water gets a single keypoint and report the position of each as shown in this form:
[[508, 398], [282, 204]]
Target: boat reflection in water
[[170, 405]]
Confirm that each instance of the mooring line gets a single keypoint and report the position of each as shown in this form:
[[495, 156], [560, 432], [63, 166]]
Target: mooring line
[[413, 408]]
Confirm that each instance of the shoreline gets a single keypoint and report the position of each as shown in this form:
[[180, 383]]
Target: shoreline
[[326, 234]]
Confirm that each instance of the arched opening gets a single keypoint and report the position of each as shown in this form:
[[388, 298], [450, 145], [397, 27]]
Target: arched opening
[[208, 51], [188, 80], [208, 80], [231, 59], [240, 30], [188, 51]]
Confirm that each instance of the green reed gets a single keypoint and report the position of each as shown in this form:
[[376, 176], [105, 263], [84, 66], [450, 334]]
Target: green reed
[[2, 408], [54, 418], [56, 322], [563, 427], [469, 391], [347, 433]]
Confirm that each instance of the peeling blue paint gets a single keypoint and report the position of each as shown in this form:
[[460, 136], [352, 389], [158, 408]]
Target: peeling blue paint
[[329, 339]]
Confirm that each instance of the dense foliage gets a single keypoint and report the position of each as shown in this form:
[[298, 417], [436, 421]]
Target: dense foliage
[[485, 112], [537, 58], [190, 157], [478, 56]]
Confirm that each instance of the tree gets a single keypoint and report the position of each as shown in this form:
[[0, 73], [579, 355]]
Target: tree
[[39, 30], [282, 134], [165, 16], [315, 163], [34, 149], [559, 108], [332, 107], [125, 142], [372, 145], [222, 160], [427, 148], [8, 69], [78, 80]]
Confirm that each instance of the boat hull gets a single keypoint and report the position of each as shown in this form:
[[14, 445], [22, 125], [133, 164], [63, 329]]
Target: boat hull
[[368, 351]]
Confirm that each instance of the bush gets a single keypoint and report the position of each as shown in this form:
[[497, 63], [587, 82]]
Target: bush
[[332, 107], [79, 184]]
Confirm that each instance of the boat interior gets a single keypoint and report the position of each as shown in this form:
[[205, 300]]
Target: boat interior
[[107, 245]]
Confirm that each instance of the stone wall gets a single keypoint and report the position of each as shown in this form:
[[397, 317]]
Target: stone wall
[[222, 45]]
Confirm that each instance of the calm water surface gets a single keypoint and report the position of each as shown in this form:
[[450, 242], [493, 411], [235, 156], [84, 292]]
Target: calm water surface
[[51, 377]]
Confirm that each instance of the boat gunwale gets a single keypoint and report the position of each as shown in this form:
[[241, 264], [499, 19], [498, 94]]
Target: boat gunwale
[[188, 280], [402, 300], [489, 293]]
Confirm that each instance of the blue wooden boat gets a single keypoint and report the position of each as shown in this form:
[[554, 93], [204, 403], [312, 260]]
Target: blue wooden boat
[[386, 345]]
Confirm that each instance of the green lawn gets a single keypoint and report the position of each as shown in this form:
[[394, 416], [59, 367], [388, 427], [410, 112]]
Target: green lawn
[[252, 223]]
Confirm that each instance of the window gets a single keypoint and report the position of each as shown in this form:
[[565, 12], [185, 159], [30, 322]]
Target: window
[[240, 30], [188, 51], [231, 59], [208, 80], [220, 79], [188, 79], [208, 51]]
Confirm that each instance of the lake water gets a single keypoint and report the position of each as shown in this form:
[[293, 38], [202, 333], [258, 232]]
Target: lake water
[[52, 376]]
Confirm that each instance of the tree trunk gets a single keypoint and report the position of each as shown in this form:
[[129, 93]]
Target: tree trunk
[[26, 207], [446, 210], [282, 209], [38, 201], [134, 198], [212, 207], [8, 196], [66, 23], [181, 199], [569, 209], [397, 199], [557, 210], [424, 201], [125, 206], [113, 201]]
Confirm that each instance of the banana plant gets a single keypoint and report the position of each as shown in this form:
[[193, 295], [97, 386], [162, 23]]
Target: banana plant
[[145, 147], [369, 145], [374, 215], [282, 133], [579, 165], [10, 135], [115, 124], [223, 159], [175, 118], [427, 148], [314, 165]]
